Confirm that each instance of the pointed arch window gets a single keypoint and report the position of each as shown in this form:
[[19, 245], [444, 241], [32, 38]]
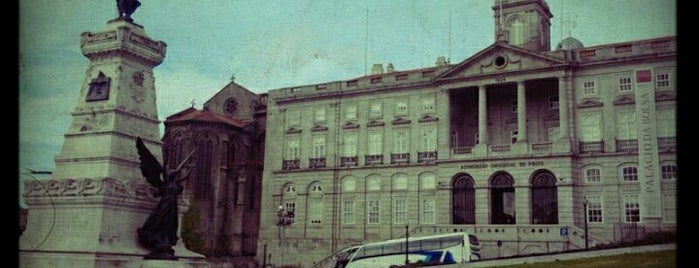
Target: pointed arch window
[[544, 198], [205, 147]]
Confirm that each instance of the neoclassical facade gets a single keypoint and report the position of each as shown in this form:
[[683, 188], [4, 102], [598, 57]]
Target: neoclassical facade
[[521, 144]]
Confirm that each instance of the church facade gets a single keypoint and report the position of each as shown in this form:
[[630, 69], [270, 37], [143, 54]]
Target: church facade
[[527, 146]]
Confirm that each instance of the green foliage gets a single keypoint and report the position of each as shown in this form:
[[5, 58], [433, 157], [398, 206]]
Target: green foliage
[[191, 233]]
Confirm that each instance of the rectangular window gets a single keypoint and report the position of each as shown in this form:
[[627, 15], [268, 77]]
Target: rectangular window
[[316, 212], [290, 207], [669, 207], [589, 88], [351, 112], [348, 212], [553, 103], [293, 117], [429, 139], [629, 174], [662, 80], [665, 122], [428, 211], [625, 84], [375, 146], [513, 136], [400, 211], [319, 147], [668, 172], [594, 209], [428, 104], [591, 127], [375, 110], [319, 115], [626, 125], [592, 175], [401, 141], [401, 107], [292, 149], [631, 208], [373, 210], [349, 148]]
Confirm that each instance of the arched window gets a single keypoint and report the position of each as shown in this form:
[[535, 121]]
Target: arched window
[[502, 199], [463, 198], [516, 31], [544, 199], [289, 200]]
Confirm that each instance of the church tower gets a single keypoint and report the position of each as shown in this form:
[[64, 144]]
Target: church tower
[[523, 23]]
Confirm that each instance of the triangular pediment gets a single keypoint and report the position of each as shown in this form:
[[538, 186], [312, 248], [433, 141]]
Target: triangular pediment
[[665, 95], [590, 102], [428, 118], [624, 99], [498, 58]]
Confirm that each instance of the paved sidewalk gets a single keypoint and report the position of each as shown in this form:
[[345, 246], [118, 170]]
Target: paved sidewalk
[[563, 256]]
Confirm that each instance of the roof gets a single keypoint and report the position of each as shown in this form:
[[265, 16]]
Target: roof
[[192, 114]]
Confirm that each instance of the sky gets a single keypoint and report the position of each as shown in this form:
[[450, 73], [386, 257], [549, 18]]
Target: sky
[[272, 44]]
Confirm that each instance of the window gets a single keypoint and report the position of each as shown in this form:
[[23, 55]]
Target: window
[[625, 84], [348, 212], [669, 207], [514, 105], [315, 211], [401, 107], [428, 104], [463, 200], [401, 141], [400, 182], [668, 172], [553, 103], [400, 210], [631, 208], [429, 139], [375, 143], [662, 80], [626, 125], [476, 138], [293, 117], [319, 147], [544, 199], [589, 88], [516, 31], [292, 149], [594, 209], [629, 173], [591, 127], [374, 210], [665, 122], [375, 110], [319, 115], [290, 208], [513, 136], [428, 211], [351, 112], [592, 175], [553, 133], [349, 147]]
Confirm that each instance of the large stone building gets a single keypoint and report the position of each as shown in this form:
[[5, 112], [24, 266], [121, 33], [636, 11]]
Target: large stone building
[[521, 144]]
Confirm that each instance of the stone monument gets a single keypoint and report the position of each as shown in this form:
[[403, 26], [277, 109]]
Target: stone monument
[[88, 213]]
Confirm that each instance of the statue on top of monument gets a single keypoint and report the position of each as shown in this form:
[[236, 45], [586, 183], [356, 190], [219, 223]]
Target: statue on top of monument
[[159, 232], [126, 8]]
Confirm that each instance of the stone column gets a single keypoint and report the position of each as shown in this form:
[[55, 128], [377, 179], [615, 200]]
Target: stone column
[[482, 147], [521, 113], [482, 205]]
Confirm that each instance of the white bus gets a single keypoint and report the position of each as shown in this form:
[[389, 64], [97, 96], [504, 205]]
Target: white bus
[[428, 250]]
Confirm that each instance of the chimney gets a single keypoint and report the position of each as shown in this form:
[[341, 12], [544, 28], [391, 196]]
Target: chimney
[[389, 68], [441, 61], [377, 68]]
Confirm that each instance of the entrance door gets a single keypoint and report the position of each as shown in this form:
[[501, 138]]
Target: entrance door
[[502, 202]]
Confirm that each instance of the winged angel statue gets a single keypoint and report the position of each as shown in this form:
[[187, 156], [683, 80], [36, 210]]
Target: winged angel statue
[[159, 232]]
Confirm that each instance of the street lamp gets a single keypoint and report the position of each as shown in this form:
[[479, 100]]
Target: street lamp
[[585, 212]]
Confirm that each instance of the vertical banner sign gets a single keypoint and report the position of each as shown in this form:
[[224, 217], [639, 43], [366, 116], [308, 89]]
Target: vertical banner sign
[[648, 164]]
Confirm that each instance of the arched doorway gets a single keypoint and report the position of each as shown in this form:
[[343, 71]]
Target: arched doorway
[[463, 200], [544, 196], [502, 199]]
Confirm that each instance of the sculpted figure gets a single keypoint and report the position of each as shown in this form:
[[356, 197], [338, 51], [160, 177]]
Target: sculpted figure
[[126, 8], [159, 232]]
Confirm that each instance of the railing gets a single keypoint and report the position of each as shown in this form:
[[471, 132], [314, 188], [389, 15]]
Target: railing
[[500, 148], [400, 158], [373, 159], [626, 145], [591, 146], [348, 161], [316, 162], [462, 150], [426, 156], [667, 143], [542, 147], [291, 164]]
